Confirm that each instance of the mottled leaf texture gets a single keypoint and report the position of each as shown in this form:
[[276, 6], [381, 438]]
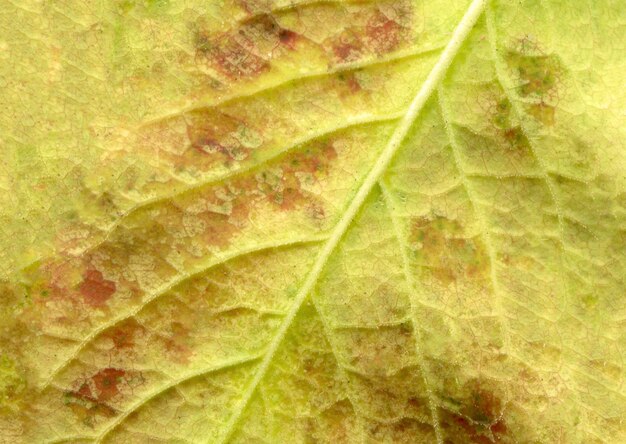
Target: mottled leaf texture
[[313, 221]]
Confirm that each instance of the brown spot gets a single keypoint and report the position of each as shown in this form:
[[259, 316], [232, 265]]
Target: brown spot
[[449, 257], [95, 289]]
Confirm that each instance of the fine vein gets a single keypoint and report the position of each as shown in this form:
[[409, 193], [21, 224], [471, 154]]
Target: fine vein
[[485, 234], [401, 239]]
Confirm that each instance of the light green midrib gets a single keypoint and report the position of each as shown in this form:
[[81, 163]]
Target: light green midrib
[[434, 77]]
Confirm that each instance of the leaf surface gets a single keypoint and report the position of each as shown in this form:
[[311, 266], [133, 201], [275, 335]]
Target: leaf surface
[[313, 221]]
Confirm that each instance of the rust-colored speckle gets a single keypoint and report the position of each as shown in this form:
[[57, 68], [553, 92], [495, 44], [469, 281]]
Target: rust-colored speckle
[[246, 51], [125, 334], [383, 34], [106, 383], [222, 137], [95, 289], [177, 343], [347, 46], [90, 399]]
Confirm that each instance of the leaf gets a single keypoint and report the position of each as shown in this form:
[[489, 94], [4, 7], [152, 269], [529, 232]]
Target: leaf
[[313, 221]]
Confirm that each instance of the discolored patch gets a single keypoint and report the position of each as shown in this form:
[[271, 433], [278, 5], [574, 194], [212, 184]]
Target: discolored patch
[[539, 77], [246, 51], [542, 112], [383, 35], [255, 6], [177, 343], [401, 431], [12, 384], [95, 289], [507, 131], [124, 336], [478, 419], [335, 424], [450, 258], [347, 46], [221, 137], [225, 209], [375, 34], [92, 397]]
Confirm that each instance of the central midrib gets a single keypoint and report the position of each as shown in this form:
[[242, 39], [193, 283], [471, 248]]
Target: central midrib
[[434, 77]]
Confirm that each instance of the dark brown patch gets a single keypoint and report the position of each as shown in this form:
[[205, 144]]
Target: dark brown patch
[[95, 289], [450, 258]]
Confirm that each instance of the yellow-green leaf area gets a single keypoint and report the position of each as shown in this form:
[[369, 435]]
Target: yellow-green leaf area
[[357, 221]]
